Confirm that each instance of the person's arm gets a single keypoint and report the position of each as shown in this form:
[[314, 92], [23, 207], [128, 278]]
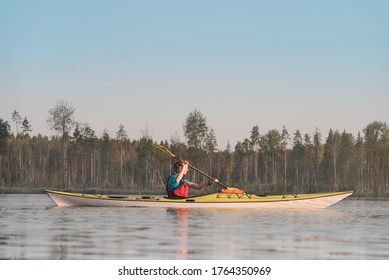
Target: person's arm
[[201, 186]]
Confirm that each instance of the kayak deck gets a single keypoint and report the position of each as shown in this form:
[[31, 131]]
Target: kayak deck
[[315, 200]]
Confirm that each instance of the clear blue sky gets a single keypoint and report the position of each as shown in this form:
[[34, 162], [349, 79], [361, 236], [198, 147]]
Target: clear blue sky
[[302, 64]]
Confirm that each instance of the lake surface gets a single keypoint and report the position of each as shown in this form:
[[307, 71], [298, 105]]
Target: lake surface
[[31, 227]]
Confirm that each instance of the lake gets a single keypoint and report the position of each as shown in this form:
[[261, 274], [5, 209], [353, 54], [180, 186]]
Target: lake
[[31, 228]]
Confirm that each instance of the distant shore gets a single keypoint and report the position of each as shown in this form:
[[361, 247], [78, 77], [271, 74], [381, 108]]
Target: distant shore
[[118, 190], [97, 190]]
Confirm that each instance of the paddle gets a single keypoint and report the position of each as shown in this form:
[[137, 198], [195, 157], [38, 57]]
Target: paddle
[[168, 152]]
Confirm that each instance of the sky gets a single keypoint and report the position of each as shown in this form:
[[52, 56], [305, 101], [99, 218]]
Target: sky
[[147, 64]]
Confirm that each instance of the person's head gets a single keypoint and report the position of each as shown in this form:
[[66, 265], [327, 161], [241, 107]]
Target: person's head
[[178, 166]]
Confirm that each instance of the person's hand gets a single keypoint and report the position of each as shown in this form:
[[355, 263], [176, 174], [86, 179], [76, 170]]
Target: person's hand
[[214, 181], [185, 166]]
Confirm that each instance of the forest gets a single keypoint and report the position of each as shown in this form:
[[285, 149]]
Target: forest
[[263, 163]]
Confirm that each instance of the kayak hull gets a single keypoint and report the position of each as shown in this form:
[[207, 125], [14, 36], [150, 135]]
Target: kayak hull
[[215, 200]]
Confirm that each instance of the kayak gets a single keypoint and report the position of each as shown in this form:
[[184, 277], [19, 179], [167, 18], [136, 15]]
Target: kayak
[[214, 200]]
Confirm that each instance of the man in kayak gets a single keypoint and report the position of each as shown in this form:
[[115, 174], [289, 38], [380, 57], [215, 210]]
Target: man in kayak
[[178, 186]]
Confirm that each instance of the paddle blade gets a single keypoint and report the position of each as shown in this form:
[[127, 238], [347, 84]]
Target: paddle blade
[[165, 150]]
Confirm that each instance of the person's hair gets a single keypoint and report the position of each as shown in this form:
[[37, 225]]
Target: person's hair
[[177, 165]]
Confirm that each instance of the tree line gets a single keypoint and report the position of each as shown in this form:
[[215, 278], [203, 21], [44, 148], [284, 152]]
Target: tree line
[[273, 162]]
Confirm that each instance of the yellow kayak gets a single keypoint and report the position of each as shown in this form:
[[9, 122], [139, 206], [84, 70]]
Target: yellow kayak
[[214, 200]]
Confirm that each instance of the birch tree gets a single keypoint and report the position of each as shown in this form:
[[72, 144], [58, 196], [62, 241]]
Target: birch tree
[[61, 121]]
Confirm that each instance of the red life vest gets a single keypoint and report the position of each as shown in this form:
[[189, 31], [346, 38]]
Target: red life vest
[[181, 191]]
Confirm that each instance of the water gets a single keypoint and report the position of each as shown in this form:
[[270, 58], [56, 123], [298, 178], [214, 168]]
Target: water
[[32, 228]]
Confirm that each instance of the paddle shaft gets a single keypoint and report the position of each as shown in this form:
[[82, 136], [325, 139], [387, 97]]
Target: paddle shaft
[[166, 151], [202, 173]]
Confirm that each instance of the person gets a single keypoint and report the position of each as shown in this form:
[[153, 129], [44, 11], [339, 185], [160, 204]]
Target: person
[[178, 186]]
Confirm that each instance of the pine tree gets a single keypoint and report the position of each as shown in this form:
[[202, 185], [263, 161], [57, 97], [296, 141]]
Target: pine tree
[[195, 130], [211, 148], [285, 137], [121, 136], [4, 134], [255, 139], [17, 120], [26, 126]]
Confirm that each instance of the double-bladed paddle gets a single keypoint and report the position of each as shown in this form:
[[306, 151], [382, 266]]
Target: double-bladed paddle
[[168, 152]]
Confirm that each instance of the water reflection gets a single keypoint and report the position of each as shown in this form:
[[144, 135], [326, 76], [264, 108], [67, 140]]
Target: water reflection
[[181, 223], [350, 230]]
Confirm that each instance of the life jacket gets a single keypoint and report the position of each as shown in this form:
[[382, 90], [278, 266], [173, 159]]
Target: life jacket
[[181, 191]]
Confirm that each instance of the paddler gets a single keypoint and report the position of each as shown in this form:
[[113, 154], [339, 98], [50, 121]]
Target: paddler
[[178, 186]]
